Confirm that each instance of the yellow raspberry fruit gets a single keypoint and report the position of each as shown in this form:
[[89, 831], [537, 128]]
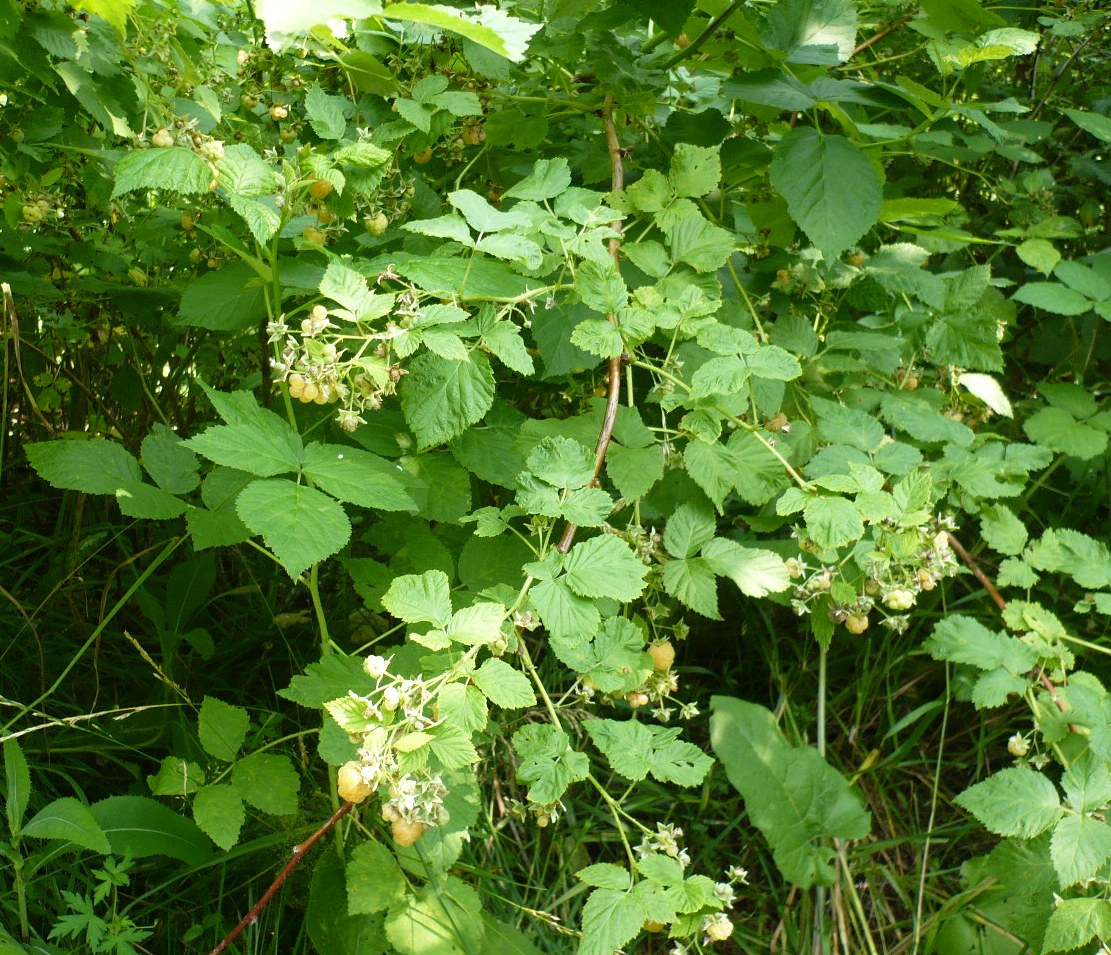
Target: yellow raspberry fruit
[[662, 654], [352, 787], [405, 833]]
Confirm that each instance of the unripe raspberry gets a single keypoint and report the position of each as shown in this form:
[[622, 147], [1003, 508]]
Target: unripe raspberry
[[856, 622], [278, 113], [899, 599], [1018, 746], [162, 139]]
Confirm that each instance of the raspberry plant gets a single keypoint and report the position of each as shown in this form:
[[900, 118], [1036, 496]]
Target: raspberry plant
[[563, 334]]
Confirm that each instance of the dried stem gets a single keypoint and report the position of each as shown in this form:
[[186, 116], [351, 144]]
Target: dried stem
[[613, 396], [299, 852]]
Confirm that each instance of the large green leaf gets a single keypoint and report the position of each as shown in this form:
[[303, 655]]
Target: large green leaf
[[1016, 801], [137, 827], [833, 190], [442, 398], [95, 466], [299, 524], [266, 446], [68, 820], [357, 477], [796, 799], [174, 169]]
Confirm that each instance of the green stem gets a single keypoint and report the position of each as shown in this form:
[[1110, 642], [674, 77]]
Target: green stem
[[930, 823], [696, 44], [820, 893]]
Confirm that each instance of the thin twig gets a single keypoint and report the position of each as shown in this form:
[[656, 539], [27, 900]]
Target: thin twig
[[875, 38], [1001, 603], [299, 853], [613, 397], [985, 581]]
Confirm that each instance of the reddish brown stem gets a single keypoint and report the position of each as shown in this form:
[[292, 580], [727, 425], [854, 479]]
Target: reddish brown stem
[[299, 853], [1001, 603], [985, 581], [613, 396], [875, 38]]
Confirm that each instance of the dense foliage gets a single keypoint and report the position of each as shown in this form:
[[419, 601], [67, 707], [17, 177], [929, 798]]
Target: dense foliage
[[584, 475]]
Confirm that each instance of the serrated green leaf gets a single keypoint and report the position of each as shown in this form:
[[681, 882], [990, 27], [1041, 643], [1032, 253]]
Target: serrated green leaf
[[561, 462], [700, 244], [796, 799], [1056, 429], [756, 572], [174, 169], [566, 615], [137, 499], [357, 477], [1087, 783], [95, 466], [477, 624], [420, 598], [260, 215], [961, 639], [695, 170], [301, 525], [325, 113], [1017, 801], [610, 918], [374, 879], [1039, 254], [548, 179], [636, 750], [243, 172], [713, 467], [548, 763], [1003, 532], [1080, 847], [613, 660], [832, 189], [1075, 922], [166, 459], [266, 447], [503, 685], [1052, 297], [693, 584], [267, 782], [689, 528], [442, 398], [176, 777], [604, 566], [832, 521], [445, 917], [219, 811], [605, 875], [222, 728]]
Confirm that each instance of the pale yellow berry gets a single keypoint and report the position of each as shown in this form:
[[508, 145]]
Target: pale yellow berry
[[350, 783]]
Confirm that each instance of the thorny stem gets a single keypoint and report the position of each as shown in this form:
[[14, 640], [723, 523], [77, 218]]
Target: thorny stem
[[613, 398], [299, 852], [1001, 603]]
